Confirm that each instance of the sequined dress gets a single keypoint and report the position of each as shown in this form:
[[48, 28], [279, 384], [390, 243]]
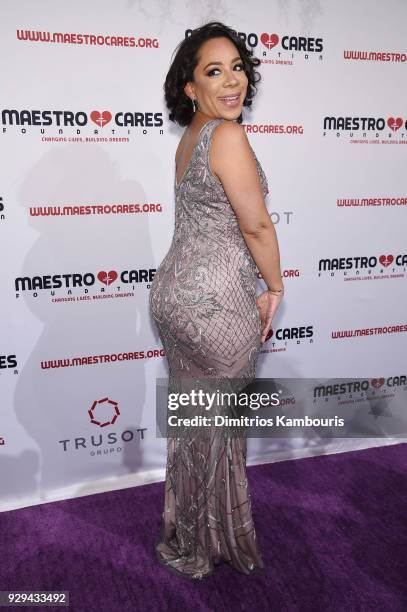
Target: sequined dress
[[202, 301]]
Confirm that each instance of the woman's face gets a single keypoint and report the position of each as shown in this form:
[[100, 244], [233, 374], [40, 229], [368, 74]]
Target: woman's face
[[220, 83]]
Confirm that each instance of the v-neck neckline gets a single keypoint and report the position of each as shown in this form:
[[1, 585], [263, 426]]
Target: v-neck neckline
[[177, 185]]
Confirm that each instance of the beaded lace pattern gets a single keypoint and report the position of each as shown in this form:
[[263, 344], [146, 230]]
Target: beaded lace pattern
[[202, 301]]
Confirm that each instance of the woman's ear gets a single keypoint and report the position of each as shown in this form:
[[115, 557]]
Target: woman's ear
[[189, 90]]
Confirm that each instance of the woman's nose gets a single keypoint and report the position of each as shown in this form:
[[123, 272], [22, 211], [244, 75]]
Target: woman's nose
[[231, 78]]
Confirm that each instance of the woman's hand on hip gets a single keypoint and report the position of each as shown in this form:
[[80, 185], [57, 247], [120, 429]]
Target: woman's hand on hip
[[267, 304]]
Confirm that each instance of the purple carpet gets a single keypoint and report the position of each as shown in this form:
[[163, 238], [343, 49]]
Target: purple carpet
[[332, 529]]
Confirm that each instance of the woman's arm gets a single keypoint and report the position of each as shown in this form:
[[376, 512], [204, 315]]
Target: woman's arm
[[231, 160]]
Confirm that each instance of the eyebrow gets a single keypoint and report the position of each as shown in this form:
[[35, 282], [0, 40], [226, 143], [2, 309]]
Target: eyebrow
[[220, 63]]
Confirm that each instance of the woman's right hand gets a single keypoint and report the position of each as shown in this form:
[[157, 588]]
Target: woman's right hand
[[267, 304]]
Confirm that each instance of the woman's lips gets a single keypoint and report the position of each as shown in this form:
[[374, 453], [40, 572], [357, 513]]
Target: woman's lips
[[231, 101]]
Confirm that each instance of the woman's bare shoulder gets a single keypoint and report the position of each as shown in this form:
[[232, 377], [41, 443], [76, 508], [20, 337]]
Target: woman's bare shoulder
[[230, 146], [229, 132]]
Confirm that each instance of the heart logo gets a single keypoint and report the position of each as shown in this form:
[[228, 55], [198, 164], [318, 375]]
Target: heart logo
[[377, 382], [386, 260], [269, 335], [269, 40], [107, 278], [394, 124], [101, 119]]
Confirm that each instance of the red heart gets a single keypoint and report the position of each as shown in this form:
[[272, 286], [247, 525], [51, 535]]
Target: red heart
[[377, 382], [269, 40], [394, 124], [100, 118], [107, 278], [270, 334], [386, 260]]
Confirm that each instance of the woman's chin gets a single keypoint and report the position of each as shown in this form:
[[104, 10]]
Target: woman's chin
[[231, 114]]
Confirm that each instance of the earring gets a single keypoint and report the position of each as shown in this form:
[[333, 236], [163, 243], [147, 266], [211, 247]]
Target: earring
[[193, 105]]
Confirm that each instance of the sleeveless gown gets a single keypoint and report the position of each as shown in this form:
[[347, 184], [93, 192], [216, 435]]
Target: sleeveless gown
[[202, 301]]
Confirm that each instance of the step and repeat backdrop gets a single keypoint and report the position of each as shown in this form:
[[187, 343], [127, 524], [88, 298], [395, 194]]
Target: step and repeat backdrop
[[87, 213]]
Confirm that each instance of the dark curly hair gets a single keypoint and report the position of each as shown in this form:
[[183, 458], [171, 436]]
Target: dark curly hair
[[185, 61]]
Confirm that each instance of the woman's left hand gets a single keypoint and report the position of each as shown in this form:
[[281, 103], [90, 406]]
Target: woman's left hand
[[267, 304]]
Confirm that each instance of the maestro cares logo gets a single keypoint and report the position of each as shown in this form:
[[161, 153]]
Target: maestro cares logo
[[359, 386], [125, 279], [288, 42], [290, 335], [374, 126], [357, 264], [61, 119], [8, 362], [273, 41]]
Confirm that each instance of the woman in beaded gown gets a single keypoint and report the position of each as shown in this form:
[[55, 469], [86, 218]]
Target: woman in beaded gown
[[203, 299]]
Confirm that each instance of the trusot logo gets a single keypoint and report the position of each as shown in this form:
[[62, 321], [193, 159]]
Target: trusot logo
[[104, 412]]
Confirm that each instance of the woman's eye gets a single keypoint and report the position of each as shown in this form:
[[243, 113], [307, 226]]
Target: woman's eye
[[211, 72]]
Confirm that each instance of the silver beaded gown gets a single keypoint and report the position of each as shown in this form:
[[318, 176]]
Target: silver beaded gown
[[202, 301]]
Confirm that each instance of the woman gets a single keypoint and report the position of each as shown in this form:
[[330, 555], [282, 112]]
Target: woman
[[203, 298]]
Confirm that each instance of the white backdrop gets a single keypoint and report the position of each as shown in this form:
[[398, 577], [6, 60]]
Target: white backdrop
[[87, 208]]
